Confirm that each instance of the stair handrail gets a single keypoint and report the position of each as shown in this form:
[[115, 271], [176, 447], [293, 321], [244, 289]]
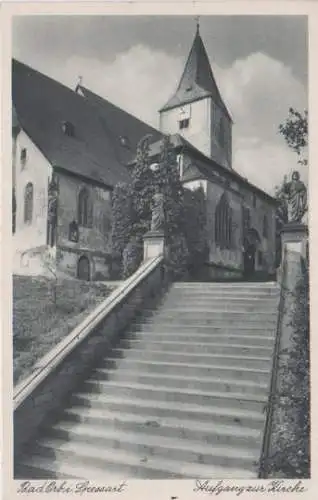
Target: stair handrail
[[56, 355], [263, 466]]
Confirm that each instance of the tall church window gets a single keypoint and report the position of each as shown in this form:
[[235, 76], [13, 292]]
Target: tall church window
[[246, 219], [84, 208], [265, 226], [223, 223], [28, 203]]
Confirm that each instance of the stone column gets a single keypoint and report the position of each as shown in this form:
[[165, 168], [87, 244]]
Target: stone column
[[153, 244]]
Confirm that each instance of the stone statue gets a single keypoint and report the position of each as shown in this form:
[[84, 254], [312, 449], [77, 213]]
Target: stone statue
[[158, 215], [296, 198], [53, 192]]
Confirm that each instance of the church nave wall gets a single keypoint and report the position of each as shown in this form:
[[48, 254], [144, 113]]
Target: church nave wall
[[32, 173]]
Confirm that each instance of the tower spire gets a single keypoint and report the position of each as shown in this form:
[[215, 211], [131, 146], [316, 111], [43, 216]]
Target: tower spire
[[197, 20]]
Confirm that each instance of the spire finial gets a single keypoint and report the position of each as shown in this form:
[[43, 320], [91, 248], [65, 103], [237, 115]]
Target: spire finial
[[197, 19]]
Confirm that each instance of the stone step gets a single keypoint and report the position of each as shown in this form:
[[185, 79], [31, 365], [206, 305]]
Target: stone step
[[239, 284], [152, 409], [215, 321], [118, 464], [189, 370], [230, 299], [227, 294], [158, 393], [155, 446], [206, 306], [232, 329], [210, 314], [45, 467], [210, 433], [182, 382], [196, 347], [246, 340], [194, 358]]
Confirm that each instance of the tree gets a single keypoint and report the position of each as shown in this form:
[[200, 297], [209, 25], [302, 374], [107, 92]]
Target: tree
[[121, 225], [295, 132], [167, 178], [131, 213], [142, 189]]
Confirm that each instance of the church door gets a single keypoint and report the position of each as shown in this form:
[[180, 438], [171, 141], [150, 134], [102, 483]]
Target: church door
[[249, 261], [83, 270]]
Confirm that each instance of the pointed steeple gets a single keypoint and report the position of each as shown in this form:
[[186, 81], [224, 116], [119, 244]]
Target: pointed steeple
[[197, 80]]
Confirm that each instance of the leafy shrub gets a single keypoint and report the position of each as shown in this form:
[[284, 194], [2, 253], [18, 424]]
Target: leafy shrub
[[122, 217], [292, 431], [132, 256]]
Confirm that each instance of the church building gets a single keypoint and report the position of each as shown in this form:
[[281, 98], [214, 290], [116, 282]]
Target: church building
[[71, 147]]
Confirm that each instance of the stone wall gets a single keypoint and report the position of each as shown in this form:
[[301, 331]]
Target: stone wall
[[259, 207], [94, 242], [35, 169], [57, 374]]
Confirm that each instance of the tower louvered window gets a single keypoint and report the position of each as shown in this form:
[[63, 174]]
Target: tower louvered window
[[223, 223]]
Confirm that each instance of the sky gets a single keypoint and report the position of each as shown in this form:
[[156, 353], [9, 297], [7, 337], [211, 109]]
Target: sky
[[259, 62]]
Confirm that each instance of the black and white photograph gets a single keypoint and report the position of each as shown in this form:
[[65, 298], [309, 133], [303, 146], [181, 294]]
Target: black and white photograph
[[160, 247]]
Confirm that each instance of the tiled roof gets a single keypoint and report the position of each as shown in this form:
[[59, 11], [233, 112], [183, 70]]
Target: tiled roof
[[124, 129], [42, 105], [205, 165], [197, 80]]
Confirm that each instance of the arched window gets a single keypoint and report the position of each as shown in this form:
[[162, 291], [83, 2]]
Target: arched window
[[265, 226], [223, 223], [84, 208], [28, 203]]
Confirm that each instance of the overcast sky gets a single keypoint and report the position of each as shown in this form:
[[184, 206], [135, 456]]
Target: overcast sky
[[260, 64]]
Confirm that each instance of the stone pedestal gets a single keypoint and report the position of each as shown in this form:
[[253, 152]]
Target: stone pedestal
[[153, 244], [294, 237]]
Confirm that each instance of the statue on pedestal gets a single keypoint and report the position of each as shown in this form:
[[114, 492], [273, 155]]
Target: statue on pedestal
[[158, 215], [296, 198]]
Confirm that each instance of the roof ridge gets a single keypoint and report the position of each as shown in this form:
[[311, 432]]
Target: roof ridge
[[118, 107]]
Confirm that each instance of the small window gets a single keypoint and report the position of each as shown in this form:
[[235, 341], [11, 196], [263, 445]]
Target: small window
[[184, 123], [68, 129], [23, 157], [124, 141]]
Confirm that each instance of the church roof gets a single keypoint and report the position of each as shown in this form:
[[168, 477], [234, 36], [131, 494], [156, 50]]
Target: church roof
[[43, 106], [207, 167], [197, 80], [124, 129]]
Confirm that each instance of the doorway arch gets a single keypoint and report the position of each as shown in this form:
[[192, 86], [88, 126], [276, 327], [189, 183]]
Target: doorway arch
[[83, 269]]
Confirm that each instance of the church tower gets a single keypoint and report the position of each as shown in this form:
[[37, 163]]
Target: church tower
[[196, 110]]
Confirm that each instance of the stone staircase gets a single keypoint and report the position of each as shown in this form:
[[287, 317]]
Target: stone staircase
[[182, 396]]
